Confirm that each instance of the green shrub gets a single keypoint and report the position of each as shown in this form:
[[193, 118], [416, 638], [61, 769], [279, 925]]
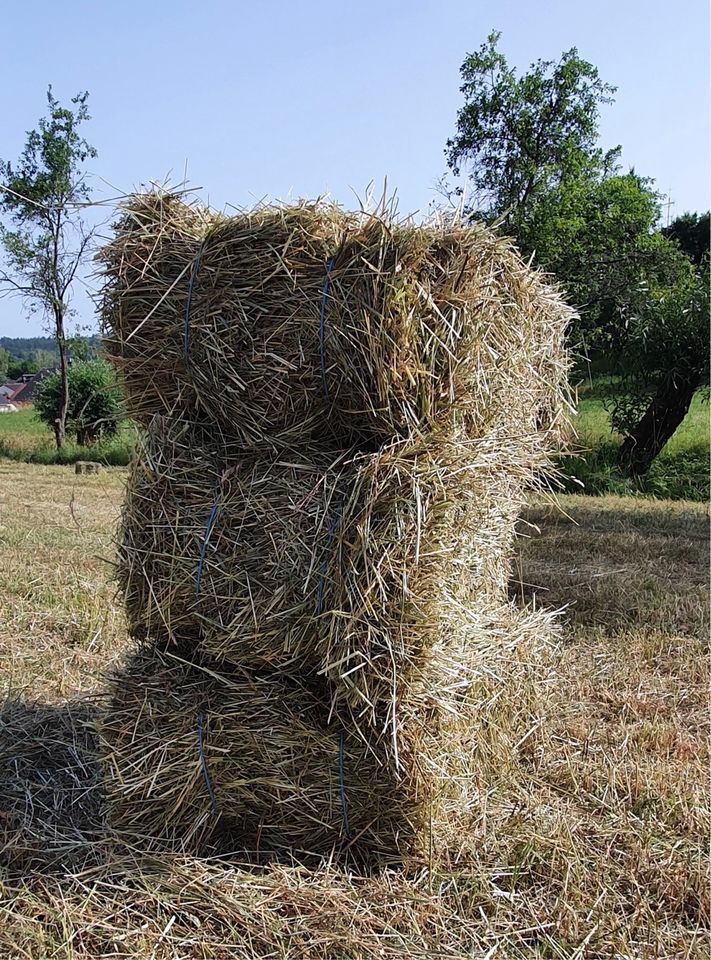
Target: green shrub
[[95, 402]]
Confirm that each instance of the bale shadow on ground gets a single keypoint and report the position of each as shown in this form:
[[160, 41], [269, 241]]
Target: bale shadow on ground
[[51, 800]]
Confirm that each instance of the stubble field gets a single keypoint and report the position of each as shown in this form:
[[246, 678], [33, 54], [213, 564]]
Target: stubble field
[[599, 849]]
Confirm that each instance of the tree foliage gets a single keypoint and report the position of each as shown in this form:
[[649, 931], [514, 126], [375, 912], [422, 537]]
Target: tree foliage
[[96, 407], [665, 359], [18, 368], [44, 236], [519, 138], [690, 232], [598, 236], [528, 146]]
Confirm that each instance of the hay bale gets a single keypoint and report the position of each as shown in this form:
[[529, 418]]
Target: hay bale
[[343, 413], [291, 323], [87, 466], [260, 760], [352, 569], [254, 756]]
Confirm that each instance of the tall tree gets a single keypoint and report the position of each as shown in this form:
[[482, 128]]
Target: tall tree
[[528, 146], [518, 138], [665, 359], [44, 234]]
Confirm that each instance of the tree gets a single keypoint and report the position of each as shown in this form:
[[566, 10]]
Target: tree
[[529, 147], [519, 138], [79, 348], [666, 356], [598, 236], [4, 362], [665, 362], [18, 368], [46, 241], [96, 406], [691, 232]]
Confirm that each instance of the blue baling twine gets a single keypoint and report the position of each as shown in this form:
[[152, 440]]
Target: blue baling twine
[[342, 783], [203, 763], [189, 300], [322, 324], [203, 545]]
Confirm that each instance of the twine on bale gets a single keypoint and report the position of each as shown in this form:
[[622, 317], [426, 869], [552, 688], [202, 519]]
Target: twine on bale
[[203, 545], [322, 325], [203, 763]]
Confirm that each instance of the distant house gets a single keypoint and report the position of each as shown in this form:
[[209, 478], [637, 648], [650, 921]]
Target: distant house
[[7, 407], [8, 388], [22, 391]]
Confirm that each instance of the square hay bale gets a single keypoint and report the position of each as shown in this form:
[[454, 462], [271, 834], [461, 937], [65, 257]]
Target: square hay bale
[[352, 569], [297, 324], [259, 767]]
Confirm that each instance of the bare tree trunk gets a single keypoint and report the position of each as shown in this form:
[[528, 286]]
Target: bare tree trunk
[[661, 419], [60, 424]]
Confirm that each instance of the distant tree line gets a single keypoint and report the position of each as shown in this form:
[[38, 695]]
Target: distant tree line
[[29, 355], [22, 348]]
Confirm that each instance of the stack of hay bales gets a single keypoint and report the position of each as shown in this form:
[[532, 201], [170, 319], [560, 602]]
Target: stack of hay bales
[[342, 414]]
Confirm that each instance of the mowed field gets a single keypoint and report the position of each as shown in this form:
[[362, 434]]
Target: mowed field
[[600, 850]]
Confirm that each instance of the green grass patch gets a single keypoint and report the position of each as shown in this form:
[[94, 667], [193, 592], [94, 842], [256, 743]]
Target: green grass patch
[[23, 437], [680, 472]]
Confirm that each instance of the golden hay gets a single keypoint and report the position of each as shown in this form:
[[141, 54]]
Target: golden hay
[[290, 323], [262, 762], [353, 569], [343, 413]]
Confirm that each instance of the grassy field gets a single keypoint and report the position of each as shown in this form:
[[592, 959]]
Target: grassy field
[[681, 471], [23, 437], [591, 844]]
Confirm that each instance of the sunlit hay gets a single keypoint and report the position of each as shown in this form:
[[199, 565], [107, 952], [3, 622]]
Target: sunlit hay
[[263, 765], [343, 413], [288, 324], [351, 569]]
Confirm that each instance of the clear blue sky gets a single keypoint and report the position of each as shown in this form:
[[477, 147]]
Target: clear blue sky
[[276, 99]]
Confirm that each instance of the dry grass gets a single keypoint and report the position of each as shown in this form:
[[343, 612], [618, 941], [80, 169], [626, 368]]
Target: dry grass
[[589, 842], [61, 625]]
